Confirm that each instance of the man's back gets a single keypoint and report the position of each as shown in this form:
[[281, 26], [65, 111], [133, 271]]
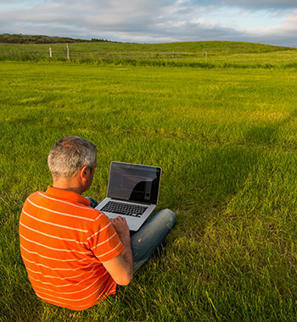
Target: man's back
[[63, 242]]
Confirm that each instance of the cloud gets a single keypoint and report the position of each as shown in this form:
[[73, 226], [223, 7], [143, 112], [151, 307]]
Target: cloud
[[249, 4], [285, 34], [154, 20]]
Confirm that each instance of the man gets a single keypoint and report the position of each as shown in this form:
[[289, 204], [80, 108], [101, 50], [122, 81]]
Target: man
[[75, 255]]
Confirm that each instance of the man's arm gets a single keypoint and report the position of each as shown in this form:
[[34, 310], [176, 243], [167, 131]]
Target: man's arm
[[121, 267]]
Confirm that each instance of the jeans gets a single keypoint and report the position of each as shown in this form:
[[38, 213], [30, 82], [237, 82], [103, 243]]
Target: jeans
[[150, 236]]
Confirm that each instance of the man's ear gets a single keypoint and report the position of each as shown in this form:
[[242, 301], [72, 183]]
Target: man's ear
[[83, 172]]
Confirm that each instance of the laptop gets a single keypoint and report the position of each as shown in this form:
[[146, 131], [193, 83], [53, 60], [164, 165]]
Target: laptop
[[133, 192]]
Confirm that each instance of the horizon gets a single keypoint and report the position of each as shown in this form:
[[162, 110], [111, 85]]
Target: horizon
[[148, 22], [145, 43]]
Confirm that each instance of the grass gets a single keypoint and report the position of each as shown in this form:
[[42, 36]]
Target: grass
[[226, 141], [205, 54]]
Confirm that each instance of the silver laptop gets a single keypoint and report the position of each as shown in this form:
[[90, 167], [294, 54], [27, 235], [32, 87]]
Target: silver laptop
[[133, 192]]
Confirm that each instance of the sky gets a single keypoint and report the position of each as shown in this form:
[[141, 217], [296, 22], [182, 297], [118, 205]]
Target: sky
[[153, 21]]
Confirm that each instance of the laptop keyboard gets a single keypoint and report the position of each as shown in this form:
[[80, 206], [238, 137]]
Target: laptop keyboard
[[124, 209]]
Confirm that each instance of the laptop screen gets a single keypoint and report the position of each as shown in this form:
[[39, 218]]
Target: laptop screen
[[131, 182]]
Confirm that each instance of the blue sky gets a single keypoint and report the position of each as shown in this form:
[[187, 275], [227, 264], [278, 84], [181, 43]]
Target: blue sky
[[150, 21]]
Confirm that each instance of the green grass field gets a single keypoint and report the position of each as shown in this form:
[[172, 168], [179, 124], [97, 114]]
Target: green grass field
[[204, 54], [226, 141]]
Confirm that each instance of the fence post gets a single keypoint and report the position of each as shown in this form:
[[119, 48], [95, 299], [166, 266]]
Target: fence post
[[50, 52], [205, 55], [68, 56]]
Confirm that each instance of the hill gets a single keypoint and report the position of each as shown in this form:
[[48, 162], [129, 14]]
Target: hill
[[206, 54], [39, 39]]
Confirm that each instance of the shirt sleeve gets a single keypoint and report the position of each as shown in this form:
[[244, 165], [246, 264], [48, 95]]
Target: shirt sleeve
[[104, 241]]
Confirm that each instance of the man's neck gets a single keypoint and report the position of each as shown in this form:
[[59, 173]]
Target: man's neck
[[69, 184]]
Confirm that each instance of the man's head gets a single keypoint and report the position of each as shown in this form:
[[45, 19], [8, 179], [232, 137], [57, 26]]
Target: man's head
[[70, 157]]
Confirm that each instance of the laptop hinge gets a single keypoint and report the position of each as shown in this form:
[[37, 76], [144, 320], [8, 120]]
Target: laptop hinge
[[130, 201]]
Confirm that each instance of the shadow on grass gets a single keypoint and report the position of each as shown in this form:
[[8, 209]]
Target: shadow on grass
[[262, 135], [218, 173], [210, 183], [210, 180], [267, 134]]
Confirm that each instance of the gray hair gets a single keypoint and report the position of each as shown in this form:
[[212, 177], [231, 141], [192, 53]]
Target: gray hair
[[69, 154]]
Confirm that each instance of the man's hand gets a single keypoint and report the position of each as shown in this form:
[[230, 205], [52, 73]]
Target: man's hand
[[121, 267], [121, 227]]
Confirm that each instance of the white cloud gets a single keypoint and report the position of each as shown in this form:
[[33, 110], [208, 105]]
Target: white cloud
[[291, 21]]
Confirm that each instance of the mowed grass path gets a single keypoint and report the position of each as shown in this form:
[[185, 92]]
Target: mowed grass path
[[226, 141]]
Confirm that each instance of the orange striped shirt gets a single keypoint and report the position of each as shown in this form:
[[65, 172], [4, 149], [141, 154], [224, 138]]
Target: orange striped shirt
[[63, 244]]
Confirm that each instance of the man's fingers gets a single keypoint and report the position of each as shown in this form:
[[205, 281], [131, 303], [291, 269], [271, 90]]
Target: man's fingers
[[119, 223], [118, 220], [114, 219]]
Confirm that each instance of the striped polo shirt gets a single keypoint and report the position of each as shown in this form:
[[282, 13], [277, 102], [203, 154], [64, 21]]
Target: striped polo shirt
[[63, 243]]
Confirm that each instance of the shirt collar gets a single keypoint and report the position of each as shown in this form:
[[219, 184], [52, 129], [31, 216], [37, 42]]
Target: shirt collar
[[67, 195]]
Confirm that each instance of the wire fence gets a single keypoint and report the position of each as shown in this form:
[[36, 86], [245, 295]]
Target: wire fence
[[131, 54]]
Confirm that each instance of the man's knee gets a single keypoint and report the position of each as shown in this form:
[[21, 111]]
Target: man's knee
[[168, 216]]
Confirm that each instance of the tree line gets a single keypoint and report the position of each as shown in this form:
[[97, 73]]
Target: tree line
[[41, 39]]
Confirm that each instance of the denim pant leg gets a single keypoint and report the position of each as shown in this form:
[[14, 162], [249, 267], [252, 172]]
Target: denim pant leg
[[150, 236], [94, 203]]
